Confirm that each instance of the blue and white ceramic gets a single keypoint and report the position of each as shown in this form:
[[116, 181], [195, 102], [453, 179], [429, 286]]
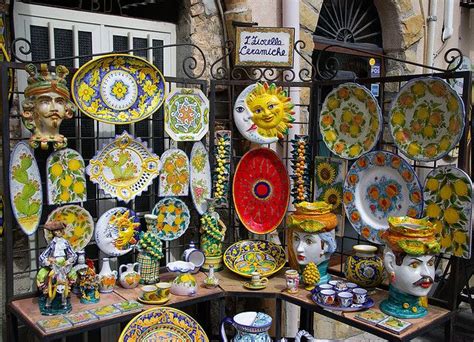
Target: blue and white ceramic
[[251, 326]]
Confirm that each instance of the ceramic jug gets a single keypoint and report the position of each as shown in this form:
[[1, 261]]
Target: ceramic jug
[[129, 276], [251, 326], [107, 277]]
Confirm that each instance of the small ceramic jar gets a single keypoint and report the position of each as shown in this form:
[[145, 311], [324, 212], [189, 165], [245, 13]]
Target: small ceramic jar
[[364, 268], [292, 281]]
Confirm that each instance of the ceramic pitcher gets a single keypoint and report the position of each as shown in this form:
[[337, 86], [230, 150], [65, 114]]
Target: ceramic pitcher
[[251, 326], [129, 276], [107, 277]]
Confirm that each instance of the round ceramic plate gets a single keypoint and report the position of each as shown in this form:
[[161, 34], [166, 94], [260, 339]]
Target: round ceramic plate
[[247, 256], [426, 119], [350, 121], [250, 286], [261, 190], [378, 185], [80, 225], [201, 181], [118, 89], [172, 218], [116, 231], [153, 302], [174, 175], [163, 324]]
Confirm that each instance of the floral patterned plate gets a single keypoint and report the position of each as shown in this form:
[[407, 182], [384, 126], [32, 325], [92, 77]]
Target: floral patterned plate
[[448, 202], [350, 121], [174, 176], [426, 119], [201, 181], [80, 225], [172, 218], [247, 256], [186, 114], [118, 89], [378, 185]]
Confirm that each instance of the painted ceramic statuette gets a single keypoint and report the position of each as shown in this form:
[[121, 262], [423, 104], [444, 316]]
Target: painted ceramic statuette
[[66, 179], [174, 176], [129, 277], [250, 326], [426, 119], [26, 194], [448, 202], [124, 168], [221, 174], [186, 114], [311, 239], [184, 284], [301, 162], [47, 103], [200, 177], [263, 113], [88, 284], [80, 264], [350, 121], [409, 258], [150, 252], [107, 277], [212, 237], [118, 89], [172, 217], [365, 267]]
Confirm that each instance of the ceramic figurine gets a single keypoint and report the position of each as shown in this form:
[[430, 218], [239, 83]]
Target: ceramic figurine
[[184, 284], [292, 281], [129, 277], [212, 236], [311, 276], [311, 237], [81, 263], [149, 248], [409, 258], [365, 267], [107, 277], [250, 326], [54, 278], [47, 103], [211, 281], [88, 284]]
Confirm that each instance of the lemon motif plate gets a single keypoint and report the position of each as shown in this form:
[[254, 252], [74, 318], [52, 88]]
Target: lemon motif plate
[[426, 119], [172, 218], [350, 121], [118, 89]]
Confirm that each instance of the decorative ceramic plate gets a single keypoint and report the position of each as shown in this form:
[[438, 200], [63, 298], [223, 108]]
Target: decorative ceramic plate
[[124, 168], [66, 177], [201, 181], [116, 231], [172, 218], [221, 175], [261, 190], [186, 114], [163, 324], [174, 176], [378, 185], [250, 286], [354, 307], [80, 225], [448, 202], [426, 119], [26, 194], [118, 89], [350, 121], [153, 302], [247, 256]]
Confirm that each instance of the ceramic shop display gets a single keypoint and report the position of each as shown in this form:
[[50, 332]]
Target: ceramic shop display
[[171, 217], [26, 194], [426, 119], [66, 179], [195, 256], [378, 185], [116, 231], [47, 103], [79, 225], [261, 190], [448, 202], [107, 277], [247, 256], [163, 323], [174, 175], [184, 284], [186, 114], [250, 326], [212, 237], [129, 277], [118, 89], [311, 240], [300, 164], [263, 113], [200, 177], [149, 252], [340, 297], [124, 168], [221, 174], [350, 121], [89, 284], [364, 267]]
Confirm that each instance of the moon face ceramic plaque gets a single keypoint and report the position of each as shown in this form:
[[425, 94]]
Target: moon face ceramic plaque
[[174, 176], [201, 181]]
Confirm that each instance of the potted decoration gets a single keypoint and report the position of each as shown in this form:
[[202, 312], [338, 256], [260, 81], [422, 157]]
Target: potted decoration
[[150, 253], [212, 237], [88, 284]]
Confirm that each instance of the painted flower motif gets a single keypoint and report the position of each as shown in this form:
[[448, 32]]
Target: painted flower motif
[[85, 92], [150, 88], [348, 197], [326, 173], [333, 196], [119, 90], [384, 196]]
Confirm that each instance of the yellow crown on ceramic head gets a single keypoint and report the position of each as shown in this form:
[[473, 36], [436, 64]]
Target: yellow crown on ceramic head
[[42, 81], [313, 217]]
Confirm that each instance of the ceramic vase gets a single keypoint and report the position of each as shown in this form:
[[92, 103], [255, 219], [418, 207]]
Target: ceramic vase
[[149, 269], [107, 277], [251, 327], [129, 277], [365, 267]]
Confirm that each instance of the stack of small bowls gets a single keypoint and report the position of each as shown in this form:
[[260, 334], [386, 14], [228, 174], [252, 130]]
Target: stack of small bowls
[[339, 294]]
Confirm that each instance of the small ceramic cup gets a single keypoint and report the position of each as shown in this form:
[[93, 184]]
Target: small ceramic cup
[[351, 286], [149, 292], [163, 290], [257, 280], [327, 296], [341, 286], [360, 295], [292, 281], [333, 282], [345, 299]]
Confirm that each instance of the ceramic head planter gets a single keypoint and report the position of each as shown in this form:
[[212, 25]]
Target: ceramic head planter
[[47, 103], [409, 256]]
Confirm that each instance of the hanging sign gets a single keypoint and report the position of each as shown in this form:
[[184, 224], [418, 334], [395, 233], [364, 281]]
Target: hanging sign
[[265, 47]]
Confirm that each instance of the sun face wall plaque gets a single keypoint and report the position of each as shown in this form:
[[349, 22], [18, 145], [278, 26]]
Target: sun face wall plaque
[[174, 176], [124, 168]]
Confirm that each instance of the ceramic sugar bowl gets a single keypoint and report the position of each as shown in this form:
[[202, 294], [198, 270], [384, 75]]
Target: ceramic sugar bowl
[[184, 284], [251, 326], [365, 267], [129, 277]]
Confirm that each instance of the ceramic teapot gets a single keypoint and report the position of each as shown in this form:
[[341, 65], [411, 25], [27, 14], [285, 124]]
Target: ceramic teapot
[[251, 326], [129, 277]]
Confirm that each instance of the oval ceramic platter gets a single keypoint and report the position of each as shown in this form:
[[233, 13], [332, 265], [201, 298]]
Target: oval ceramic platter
[[124, 168], [118, 89], [174, 176], [448, 202], [80, 225], [350, 121], [186, 114], [201, 181], [172, 218], [66, 179], [247, 256], [26, 194], [261, 190], [163, 324], [116, 231], [426, 119], [378, 185]]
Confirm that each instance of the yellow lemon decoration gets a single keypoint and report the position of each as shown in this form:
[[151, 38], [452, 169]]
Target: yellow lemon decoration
[[460, 237], [333, 103], [398, 118], [433, 210], [78, 188], [446, 241], [64, 196], [56, 170], [432, 184], [414, 149], [66, 181], [446, 192], [74, 165], [451, 215], [460, 187]]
